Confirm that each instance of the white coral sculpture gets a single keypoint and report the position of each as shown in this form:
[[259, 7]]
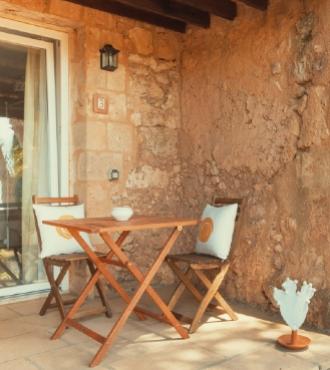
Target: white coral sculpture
[[294, 305]]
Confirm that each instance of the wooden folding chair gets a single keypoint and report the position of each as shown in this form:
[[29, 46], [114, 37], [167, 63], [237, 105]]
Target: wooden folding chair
[[64, 262], [195, 265]]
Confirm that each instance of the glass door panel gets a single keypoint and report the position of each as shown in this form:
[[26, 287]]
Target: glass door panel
[[28, 152]]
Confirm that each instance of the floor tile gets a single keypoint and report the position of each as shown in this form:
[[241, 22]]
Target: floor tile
[[12, 328], [265, 358], [219, 343], [21, 364], [26, 308], [163, 356], [7, 314], [68, 358], [27, 345]]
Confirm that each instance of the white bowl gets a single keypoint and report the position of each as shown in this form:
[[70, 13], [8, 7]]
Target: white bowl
[[122, 213]]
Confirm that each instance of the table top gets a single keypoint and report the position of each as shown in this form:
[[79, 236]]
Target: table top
[[106, 224]]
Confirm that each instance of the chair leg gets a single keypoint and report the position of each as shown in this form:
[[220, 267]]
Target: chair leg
[[100, 289], [212, 290], [185, 280], [179, 290], [54, 285], [222, 302]]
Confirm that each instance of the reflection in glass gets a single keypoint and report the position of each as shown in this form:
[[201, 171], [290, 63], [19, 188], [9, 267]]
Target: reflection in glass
[[24, 169]]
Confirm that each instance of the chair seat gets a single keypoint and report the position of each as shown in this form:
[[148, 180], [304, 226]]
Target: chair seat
[[197, 260], [73, 257]]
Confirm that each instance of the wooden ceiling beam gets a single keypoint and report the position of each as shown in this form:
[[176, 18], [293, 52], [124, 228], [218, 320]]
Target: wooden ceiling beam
[[222, 8], [258, 4], [115, 7], [172, 9]]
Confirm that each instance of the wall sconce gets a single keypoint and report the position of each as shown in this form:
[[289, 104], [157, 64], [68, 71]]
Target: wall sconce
[[109, 58]]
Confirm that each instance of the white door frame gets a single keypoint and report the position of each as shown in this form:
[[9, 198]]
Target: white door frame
[[64, 117]]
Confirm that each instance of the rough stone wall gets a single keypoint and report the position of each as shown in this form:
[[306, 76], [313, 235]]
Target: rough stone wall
[[139, 136], [255, 124], [253, 96]]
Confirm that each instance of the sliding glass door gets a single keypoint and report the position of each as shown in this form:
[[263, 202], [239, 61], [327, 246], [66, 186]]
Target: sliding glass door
[[29, 155]]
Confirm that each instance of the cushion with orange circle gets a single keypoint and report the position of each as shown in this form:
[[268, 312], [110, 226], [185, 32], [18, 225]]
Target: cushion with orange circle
[[216, 230], [56, 240]]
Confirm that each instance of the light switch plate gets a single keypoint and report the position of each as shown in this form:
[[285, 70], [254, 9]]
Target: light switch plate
[[100, 104]]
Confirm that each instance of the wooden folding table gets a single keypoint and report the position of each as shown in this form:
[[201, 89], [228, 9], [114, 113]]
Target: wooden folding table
[[117, 257]]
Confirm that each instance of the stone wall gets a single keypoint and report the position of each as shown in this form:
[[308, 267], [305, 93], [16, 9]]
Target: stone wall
[[255, 124], [240, 109], [139, 136]]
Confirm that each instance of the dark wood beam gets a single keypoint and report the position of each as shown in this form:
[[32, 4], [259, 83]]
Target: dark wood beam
[[222, 8], [172, 9], [258, 4], [115, 7]]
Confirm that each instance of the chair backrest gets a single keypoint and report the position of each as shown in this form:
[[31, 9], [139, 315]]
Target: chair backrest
[[218, 202], [65, 201]]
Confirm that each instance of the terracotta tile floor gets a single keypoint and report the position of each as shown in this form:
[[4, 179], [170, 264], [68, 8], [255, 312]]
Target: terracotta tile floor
[[247, 344]]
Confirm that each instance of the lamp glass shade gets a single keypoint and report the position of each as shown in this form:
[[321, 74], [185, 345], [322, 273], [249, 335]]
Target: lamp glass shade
[[109, 58]]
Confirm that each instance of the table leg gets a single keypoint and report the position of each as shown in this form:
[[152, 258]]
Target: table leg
[[145, 282], [91, 283], [102, 267], [81, 299]]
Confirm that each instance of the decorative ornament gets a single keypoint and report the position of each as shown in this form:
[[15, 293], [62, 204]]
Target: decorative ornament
[[294, 307]]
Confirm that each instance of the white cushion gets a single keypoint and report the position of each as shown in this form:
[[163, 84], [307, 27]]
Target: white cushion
[[56, 240], [216, 230]]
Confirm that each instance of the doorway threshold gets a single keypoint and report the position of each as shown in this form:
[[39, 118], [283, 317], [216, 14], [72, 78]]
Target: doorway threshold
[[23, 293]]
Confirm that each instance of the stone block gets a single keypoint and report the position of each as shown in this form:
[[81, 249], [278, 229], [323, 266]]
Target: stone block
[[147, 177], [142, 40], [315, 126], [123, 25], [116, 39], [160, 141], [96, 78], [90, 136], [95, 136], [98, 201], [78, 137], [166, 46], [116, 81], [117, 107], [96, 18], [120, 137], [66, 9], [135, 118], [314, 172], [151, 116], [154, 64], [94, 165]]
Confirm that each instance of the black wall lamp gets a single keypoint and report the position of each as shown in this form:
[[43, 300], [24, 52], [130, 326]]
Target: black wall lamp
[[109, 58]]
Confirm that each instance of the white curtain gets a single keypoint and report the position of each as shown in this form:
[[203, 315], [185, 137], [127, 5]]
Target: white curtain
[[36, 169]]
